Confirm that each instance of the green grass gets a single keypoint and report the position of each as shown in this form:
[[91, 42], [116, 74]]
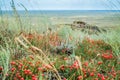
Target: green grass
[[84, 53], [4, 61]]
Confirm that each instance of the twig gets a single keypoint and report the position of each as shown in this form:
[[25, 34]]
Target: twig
[[17, 39]]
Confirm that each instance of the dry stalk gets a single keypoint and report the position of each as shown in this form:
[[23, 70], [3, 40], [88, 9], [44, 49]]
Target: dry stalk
[[27, 45], [79, 62]]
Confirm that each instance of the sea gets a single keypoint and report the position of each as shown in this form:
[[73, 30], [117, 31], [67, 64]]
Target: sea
[[61, 12], [102, 18]]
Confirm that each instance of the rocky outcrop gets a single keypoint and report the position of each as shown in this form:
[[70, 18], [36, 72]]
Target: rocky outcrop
[[87, 28]]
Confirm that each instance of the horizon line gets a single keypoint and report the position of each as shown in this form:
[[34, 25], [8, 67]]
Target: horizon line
[[67, 10]]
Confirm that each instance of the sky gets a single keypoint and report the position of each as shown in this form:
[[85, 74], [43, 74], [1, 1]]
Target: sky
[[62, 4]]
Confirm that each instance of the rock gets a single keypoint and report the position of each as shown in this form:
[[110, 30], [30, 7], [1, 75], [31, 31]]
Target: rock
[[79, 24], [87, 28]]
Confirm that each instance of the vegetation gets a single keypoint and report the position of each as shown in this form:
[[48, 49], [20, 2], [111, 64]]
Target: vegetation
[[35, 56], [64, 54]]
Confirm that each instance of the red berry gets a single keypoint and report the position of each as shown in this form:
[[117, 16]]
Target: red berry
[[13, 63], [75, 65], [27, 72], [99, 63], [86, 64], [39, 69], [21, 64], [114, 74], [13, 69], [62, 67], [1, 68], [91, 74], [64, 79], [19, 67], [99, 75], [22, 79], [34, 78], [102, 77], [79, 78]]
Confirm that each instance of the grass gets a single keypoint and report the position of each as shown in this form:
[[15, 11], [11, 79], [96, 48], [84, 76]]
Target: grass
[[60, 54], [83, 61], [4, 62]]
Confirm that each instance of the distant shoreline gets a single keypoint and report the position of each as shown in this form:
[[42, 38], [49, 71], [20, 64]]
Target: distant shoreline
[[63, 10], [60, 12]]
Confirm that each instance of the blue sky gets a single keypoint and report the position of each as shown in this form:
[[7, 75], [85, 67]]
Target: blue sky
[[62, 4]]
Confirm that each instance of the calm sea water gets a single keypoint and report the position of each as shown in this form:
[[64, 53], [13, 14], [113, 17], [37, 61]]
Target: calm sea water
[[62, 12]]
